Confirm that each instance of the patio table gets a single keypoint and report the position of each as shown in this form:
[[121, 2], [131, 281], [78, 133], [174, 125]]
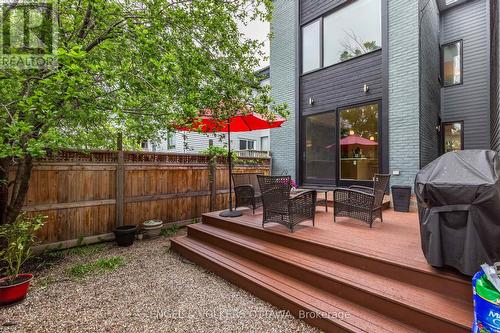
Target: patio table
[[320, 189]]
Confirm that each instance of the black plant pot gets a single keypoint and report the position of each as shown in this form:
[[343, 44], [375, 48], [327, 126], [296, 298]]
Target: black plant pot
[[125, 235]]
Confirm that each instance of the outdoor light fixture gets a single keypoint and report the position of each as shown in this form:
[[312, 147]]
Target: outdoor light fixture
[[311, 101], [366, 88]]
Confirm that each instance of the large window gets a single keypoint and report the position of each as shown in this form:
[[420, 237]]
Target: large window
[[453, 136], [352, 31], [320, 149], [311, 47], [359, 142], [452, 63]]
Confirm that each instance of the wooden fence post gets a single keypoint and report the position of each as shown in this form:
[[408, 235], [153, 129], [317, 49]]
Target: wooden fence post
[[120, 179]]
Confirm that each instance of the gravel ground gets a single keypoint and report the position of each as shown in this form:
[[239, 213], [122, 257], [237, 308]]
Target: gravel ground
[[154, 291]]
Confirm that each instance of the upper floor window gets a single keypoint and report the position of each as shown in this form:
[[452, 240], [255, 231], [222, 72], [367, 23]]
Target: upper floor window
[[348, 32], [247, 144], [451, 55], [352, 31], [311, 46]]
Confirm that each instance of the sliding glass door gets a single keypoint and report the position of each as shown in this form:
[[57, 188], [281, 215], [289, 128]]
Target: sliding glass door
[[359, 142], [320, 148], [341, 147]]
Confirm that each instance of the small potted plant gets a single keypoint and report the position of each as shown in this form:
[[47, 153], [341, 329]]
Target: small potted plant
[[16, 240], [152, 228]]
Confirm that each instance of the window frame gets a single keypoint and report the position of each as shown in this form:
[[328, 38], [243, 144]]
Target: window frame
[[170, 140], [321, 41], [246, 144], [301, 46], [442, 47], [443, 124]]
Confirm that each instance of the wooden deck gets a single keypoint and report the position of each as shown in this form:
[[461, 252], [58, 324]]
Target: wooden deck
[[339, 277]]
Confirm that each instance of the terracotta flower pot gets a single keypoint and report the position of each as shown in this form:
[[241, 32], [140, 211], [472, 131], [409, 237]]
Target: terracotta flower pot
[[16, 290]]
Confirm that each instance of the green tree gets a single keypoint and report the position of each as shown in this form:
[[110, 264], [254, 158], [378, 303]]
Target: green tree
[[131, 67]]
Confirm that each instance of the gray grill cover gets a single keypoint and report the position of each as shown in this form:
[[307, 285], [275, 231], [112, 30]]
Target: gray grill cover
[[458, 197]]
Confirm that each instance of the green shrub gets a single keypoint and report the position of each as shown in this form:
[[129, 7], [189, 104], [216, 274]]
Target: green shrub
[[219, 152], [16, 240], [169, 232]]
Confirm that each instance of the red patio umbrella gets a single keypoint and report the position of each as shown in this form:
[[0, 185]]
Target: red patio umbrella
[[357, 140], [241, 122]]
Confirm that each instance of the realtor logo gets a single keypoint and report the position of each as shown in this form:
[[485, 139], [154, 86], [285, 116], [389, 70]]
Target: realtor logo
[[28, 34]]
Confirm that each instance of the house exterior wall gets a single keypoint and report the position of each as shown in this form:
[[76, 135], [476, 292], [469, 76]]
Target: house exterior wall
[[469, 101], [406, 75], [310, 9], [495, 74], [403, 90], [336, 86], [430, 87], [192, 142], [283, 83]]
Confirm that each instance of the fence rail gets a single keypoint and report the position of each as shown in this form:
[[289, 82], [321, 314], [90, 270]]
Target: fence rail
[[87, 194]]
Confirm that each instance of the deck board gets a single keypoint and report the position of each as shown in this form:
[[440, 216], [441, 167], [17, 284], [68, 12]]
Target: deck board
[[396, 239], [377, 272]]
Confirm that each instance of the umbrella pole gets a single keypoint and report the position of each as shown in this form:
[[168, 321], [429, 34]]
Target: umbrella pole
[[230, 212]]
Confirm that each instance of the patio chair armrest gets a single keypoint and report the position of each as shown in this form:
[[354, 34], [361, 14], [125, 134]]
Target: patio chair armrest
[[304, 199], [365, 189], [353, 197], [244, 191]]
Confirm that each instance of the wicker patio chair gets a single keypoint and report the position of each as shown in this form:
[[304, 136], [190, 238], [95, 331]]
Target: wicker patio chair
[[247, 190], [280, 207], [360, 202]]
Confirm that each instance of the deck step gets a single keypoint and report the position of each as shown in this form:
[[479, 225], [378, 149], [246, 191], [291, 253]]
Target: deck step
[[422, 277], [319, 308], [422, 308]]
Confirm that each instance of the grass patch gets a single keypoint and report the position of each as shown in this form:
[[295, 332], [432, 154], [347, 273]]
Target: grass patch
[[95, 267], [169, 232], [85, 250], [44, 282]]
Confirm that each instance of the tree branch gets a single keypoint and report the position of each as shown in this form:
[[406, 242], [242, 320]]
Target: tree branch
[[86, 20]]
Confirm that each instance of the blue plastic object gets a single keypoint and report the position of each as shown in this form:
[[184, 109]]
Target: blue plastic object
[[486, 308]]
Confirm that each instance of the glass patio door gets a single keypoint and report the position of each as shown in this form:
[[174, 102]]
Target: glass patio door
[[359, 140], [319, 150]]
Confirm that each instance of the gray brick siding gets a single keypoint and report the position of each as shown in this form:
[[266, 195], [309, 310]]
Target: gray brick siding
[[282, 75], [403, 90]]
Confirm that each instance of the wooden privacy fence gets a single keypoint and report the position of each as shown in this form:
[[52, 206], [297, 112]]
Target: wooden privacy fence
[[89, 194]]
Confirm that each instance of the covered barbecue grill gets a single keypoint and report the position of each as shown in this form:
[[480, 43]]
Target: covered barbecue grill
[[458, 197]]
